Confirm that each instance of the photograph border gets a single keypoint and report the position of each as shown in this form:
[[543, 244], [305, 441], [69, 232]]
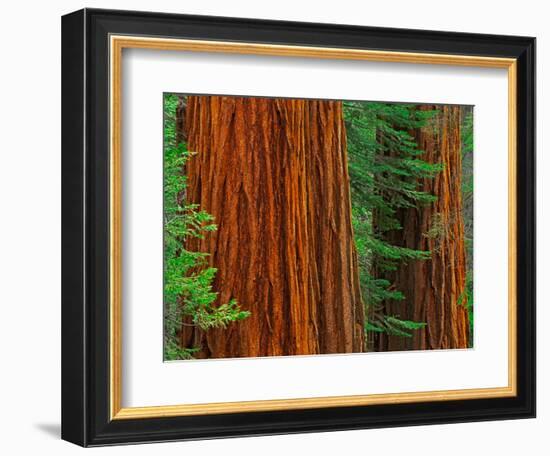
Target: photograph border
[[93, 42]]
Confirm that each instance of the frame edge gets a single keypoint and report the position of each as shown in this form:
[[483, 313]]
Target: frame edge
[[84, 420], [73, 303]]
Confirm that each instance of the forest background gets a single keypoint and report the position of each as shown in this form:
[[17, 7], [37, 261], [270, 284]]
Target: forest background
[[410, 183]]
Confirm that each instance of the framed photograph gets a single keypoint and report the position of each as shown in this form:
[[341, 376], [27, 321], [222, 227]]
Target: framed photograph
[[278, 227]]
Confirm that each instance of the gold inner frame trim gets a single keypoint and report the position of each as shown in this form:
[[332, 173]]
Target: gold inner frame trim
[[117, 44]]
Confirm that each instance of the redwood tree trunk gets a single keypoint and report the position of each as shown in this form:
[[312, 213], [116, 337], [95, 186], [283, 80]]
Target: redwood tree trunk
[[180, 120], [434, 289], [274, 174]]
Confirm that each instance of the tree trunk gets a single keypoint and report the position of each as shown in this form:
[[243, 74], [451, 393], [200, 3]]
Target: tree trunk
[[434, 289], [273, 173], [180, 119]]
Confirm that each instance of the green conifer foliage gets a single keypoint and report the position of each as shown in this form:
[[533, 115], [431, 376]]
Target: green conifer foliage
[[188, 294], [468, 205], [385, 166], [386, 170]]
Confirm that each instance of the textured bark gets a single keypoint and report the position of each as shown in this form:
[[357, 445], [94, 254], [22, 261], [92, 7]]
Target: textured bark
[[180, 120], [273, 173], [433, 288]]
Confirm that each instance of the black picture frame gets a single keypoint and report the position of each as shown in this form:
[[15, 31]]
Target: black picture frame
[[85, 225]]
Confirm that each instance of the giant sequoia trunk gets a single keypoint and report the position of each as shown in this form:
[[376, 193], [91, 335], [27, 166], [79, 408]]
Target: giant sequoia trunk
[[274, 175], [434, 289]]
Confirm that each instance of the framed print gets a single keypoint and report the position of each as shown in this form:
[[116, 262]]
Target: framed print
[[275, 227]]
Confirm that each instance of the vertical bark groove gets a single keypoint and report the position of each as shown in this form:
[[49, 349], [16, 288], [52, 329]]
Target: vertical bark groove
[[274, 174]]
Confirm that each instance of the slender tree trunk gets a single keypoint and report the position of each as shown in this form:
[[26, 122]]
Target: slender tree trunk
[[274, 175], [434, 289], [180, 119]]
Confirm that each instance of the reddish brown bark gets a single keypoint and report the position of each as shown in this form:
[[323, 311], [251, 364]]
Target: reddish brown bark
[[273, 173], [180, 120], [434, 289]]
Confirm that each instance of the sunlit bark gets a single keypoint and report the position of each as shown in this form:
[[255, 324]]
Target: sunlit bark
[[273, 173]]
